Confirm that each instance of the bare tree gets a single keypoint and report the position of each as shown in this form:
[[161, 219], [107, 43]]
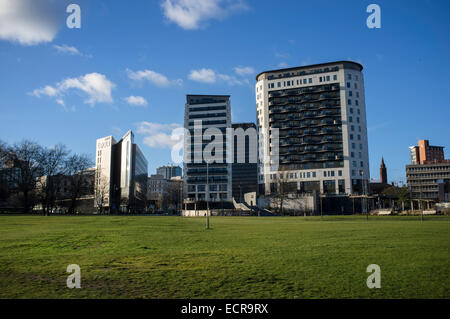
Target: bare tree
[[174, 194], [4, 151], [101, 193], [26, 156], [76, 169], [52, 162], [280, 191], [4, 184]]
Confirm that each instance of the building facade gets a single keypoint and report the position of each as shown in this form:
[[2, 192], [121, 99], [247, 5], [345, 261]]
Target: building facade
[[206, 119], [157, 185], [169, 171], [424, 152], [121, 175], [430, 181], [244, 166], [312, 128]]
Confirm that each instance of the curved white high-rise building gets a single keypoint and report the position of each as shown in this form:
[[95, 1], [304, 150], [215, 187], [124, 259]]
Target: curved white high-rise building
[[313, 128]]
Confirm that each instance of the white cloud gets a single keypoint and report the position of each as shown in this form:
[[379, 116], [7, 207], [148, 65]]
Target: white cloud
[[29, 22], [95, 85], [46, 90], [158, 135], [211, 76], [244, 70], [66, 49], [136, 100], [157, 79], [232, 80], [203, 75], [189, 14], [71, 50]]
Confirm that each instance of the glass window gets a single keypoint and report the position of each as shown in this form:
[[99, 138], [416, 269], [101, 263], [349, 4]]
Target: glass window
[[349, 76], [349, 102], [310, 80], [348, 84], [335, 77]]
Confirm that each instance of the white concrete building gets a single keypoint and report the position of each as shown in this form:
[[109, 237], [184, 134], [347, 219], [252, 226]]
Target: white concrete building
[[121, 175], [320, 113]]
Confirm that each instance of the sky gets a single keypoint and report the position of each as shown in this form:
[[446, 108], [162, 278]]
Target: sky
[[131, 64]]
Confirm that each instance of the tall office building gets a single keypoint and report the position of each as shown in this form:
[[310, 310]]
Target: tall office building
[[244, 167], [169, 171], [313, 132], [121, 175], [424, 152], [207, 118]]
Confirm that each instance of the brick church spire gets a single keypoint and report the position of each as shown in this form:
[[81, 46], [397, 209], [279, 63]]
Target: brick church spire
[[383, 172]]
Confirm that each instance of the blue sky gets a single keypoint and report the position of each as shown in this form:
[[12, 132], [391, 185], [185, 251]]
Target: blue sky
[[132, 63]]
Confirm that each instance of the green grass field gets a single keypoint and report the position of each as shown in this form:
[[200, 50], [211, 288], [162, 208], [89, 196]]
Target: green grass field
[[174, 257]]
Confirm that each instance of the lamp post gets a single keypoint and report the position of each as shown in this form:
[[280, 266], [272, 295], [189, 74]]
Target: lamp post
[[207, 195], [364, 196]]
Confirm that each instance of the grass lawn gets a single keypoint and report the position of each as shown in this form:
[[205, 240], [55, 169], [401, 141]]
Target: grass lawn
[[246, 257]]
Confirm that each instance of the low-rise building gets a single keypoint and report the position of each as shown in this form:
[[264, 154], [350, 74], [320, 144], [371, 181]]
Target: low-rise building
[[430, 180]]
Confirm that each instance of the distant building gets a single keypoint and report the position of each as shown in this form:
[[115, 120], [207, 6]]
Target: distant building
[[169, 171], [65, 187], [383, 172], [10, 174], [429, 181], [121, 175], [428, 175], [214, 114], [245, 172], [425, 152], [157, 185]]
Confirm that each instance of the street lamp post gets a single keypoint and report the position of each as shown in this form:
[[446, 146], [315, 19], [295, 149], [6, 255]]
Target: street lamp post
[[364, 196], [207, 195]]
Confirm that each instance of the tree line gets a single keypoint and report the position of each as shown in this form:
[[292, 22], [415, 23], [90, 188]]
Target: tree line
[[31, 174]]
